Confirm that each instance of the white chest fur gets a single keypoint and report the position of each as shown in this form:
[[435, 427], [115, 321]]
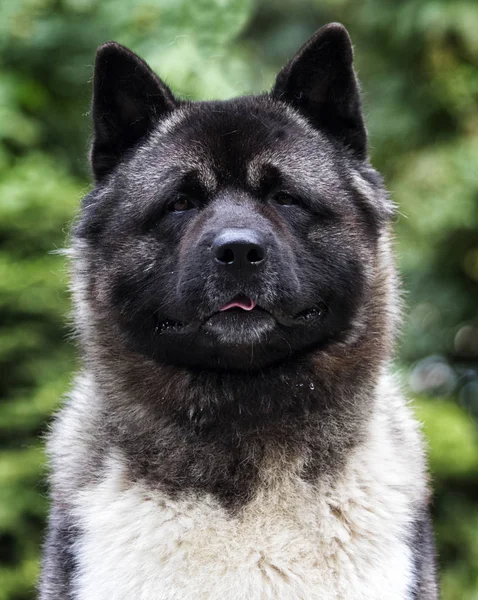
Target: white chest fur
[[343, 541]]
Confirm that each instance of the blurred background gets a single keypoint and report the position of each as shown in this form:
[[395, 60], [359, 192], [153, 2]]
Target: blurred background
[[417, 60]]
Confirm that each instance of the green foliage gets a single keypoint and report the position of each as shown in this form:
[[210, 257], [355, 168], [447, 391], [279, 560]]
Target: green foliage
[[453, 454], [38, 199], [417, 60]]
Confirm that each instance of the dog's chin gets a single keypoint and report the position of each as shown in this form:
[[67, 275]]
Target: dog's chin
[[237, 340], [239, 328]]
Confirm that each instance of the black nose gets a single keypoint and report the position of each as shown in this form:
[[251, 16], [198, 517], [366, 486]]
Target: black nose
[[240, 249]]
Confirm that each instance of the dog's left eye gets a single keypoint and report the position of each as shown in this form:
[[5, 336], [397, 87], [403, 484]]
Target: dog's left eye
[[284, 199], [181, 204]]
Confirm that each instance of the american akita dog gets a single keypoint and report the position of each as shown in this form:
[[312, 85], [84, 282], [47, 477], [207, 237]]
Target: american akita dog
[[236, 433]]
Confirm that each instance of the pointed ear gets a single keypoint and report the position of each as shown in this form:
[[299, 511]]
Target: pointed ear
[[320, 82], [128, 100]]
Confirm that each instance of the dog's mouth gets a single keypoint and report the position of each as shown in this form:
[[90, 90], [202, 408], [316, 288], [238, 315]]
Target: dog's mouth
[[243, 307]]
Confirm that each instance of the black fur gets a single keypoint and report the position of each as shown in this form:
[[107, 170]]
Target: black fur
[[58, 572], [423, 543]]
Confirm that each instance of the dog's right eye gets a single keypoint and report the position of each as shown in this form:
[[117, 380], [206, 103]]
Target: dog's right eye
[[284, 199], [181, 204]]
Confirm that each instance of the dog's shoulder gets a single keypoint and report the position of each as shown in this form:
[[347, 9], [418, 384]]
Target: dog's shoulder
[[73, 446]]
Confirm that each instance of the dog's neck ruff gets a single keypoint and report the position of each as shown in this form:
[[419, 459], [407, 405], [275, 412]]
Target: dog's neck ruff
[[345, 535]]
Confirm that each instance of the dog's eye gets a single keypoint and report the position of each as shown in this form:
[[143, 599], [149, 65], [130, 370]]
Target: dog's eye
[[284, 199], [181, 204]]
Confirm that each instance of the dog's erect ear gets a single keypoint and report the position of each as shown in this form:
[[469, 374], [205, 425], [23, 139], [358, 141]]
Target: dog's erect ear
[[320, 82], [128, 100]]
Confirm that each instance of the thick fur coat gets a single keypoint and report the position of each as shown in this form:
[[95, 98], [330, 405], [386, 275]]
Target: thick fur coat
[[235, 433]]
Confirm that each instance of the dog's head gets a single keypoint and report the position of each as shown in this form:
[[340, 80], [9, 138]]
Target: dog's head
[[231, 234]]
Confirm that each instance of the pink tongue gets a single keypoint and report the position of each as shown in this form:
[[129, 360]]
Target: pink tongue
[[244, 303]]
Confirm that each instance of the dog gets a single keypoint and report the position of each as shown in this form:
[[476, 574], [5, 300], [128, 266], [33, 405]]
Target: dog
[[236, 432]]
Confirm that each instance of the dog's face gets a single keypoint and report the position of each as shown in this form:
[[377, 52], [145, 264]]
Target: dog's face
[[231, 234]]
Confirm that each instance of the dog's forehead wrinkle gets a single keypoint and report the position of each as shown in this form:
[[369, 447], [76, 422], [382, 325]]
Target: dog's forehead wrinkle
[[166, 164], [310, 174]]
